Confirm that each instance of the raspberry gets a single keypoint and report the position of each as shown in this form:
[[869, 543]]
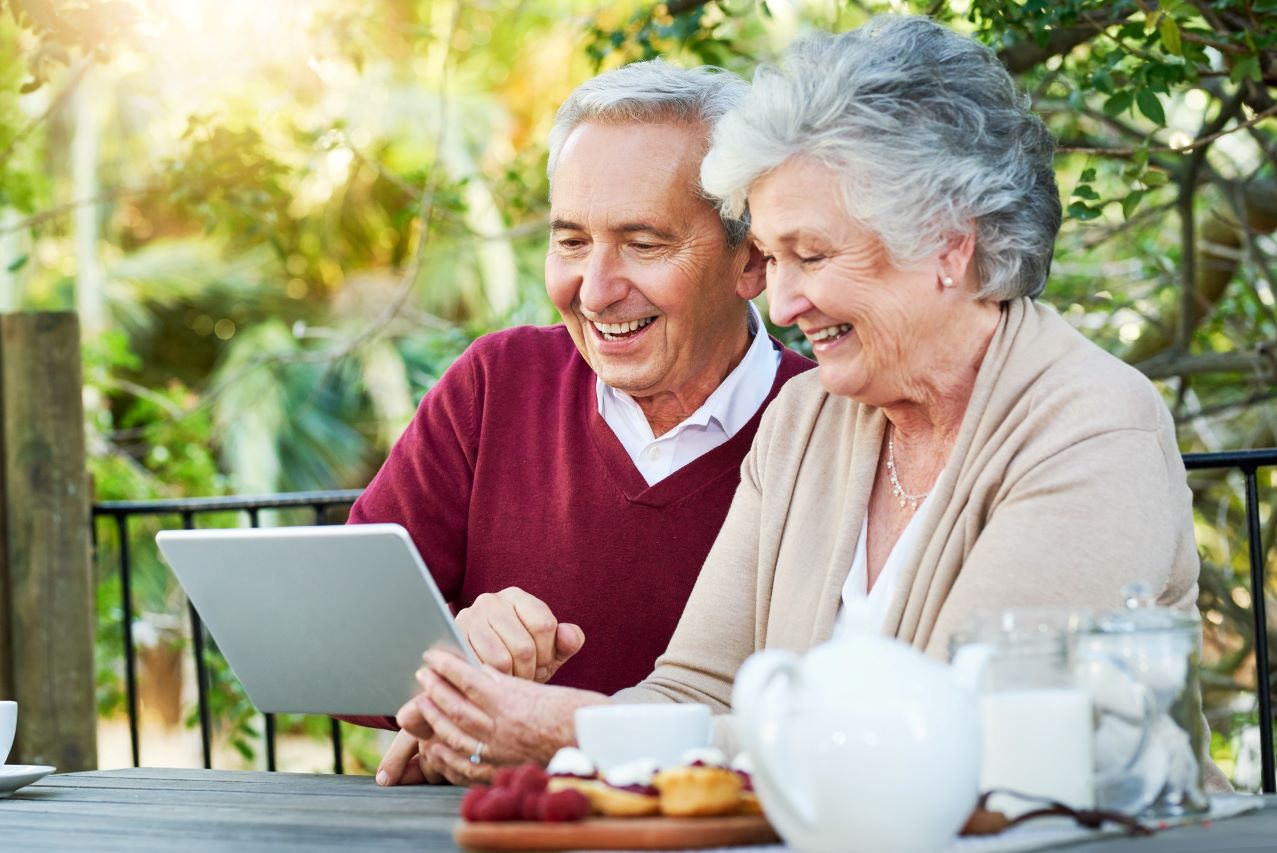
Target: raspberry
[[504, 777], [530, 809], [529, 778], [564, 806], [470, 802], [499, 804]]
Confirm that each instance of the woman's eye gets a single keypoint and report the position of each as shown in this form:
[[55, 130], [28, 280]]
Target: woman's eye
[[814, 259]]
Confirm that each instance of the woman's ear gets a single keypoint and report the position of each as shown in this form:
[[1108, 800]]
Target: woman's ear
[[956, 258], [753, 279]]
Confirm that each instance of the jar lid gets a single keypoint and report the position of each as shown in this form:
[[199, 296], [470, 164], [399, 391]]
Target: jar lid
[[1140, 612], [1024, 630]]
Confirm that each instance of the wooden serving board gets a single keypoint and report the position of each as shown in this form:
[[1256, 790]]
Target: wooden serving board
[[613, 833]]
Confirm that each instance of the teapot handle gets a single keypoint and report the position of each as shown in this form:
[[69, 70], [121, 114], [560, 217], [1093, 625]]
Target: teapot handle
[[762, 709]]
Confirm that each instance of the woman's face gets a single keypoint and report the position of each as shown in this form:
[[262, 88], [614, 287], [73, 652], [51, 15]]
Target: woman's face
[[874, 327]]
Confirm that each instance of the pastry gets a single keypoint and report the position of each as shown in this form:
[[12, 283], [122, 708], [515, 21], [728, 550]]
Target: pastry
[[703, 786], [743, 766], [626, 791], [695, 791], [571, 770]]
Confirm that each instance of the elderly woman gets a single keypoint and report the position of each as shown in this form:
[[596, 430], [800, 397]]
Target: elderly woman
[[960, 448]]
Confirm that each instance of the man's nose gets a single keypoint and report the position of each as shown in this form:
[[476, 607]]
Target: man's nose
[[786, 300], [603, 281]]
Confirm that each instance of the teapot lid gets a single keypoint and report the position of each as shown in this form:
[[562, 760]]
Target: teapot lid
[[1140, 612]]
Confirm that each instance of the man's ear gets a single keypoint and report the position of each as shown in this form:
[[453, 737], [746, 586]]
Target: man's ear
[[753, 279]]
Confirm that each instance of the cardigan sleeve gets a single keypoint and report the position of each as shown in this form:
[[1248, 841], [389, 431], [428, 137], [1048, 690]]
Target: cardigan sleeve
[[425, 483], [717, 630], [1076, 526]]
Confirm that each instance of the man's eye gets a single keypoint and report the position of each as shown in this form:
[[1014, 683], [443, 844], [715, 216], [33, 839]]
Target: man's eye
[[570, 243], [644, 247]]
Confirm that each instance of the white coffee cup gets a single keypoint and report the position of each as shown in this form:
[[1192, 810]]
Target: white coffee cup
[[612, 735], [8, 726]]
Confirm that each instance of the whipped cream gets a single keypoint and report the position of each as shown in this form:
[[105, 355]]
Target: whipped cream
[[743, 763], [639, 772], [707, 755], [570, 761]]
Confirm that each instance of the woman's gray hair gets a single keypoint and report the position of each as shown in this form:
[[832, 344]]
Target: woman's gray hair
[[648, 92], [928, 134]]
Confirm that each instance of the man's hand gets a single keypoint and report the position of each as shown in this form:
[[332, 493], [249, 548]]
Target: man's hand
[[515, 633], [408, 762]]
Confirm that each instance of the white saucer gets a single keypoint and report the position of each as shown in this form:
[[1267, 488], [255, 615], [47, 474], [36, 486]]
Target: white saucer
[[15, 776]]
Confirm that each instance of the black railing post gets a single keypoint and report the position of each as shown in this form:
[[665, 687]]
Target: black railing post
[[130, 671], [321, 518], [339, 765], [1259, 610], [201, 668], [268, 733]]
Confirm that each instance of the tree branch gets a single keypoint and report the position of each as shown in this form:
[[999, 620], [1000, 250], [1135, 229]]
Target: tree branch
[[1261, 363], [1024, 55], [63, 209], [1187, 195], [76, 76], [1201, 141]]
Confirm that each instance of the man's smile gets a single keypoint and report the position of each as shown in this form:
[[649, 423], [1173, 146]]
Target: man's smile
[[621, 331]]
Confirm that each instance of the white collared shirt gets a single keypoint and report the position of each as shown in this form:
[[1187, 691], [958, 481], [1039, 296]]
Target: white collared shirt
[[720, 417]]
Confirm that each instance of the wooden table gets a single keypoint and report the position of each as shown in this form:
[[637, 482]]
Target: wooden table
[[151, 809]]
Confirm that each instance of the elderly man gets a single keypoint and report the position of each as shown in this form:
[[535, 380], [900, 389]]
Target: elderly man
[[565, 484]]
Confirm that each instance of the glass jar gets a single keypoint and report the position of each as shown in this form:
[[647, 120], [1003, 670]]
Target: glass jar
[[1158, 651], [1036, 720]]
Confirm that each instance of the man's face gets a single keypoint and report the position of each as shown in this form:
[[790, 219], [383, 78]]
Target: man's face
[[638, 263]]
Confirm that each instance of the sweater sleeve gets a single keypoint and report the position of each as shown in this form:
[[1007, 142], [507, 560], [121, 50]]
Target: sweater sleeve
[[425, 483], [717, 630], [1075, 527]]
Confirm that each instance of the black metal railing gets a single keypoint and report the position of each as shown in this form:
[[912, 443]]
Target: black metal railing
[[1248, 462], [187, 509]]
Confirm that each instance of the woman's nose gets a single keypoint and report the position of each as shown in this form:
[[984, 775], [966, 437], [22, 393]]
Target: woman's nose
[[786, 301]]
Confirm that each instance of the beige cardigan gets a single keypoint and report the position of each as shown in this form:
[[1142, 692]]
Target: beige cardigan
[[1065, 483]]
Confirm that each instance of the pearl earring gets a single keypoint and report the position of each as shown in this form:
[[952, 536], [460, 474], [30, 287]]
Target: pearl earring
[[947, 281]]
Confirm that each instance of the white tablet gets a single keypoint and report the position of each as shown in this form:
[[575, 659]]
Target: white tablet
[[316, 620]]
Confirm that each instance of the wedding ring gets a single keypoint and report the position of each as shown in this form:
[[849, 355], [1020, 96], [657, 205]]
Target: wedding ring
[[477, 756]]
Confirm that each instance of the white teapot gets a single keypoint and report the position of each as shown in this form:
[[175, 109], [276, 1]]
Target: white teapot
[[862, 744]]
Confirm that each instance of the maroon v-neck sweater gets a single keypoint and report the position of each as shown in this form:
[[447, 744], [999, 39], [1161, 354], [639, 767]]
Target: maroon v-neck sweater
[[508, 476]]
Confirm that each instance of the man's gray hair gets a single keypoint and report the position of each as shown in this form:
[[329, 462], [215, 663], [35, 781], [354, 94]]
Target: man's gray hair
[[653, 91], [927, 133]]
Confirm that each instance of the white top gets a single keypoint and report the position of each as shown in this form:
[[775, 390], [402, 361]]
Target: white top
[[863, 610], [720, 417]]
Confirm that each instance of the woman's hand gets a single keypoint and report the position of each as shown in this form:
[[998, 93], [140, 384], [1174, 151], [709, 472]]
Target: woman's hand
[[501, 720], [516, 633]]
